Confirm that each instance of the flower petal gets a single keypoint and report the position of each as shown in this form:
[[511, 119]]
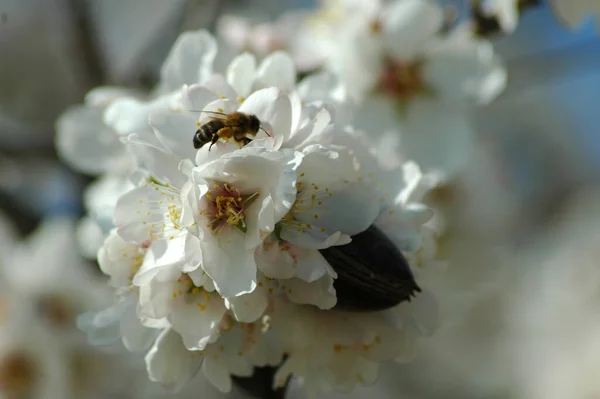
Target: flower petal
[[87, 144], [231, 267], [198, 319], [176, 133], [249, 307], [241, 73], [277, 70], [190, 60], [409, 24], [273, 107], [170, 363], [463, 68]]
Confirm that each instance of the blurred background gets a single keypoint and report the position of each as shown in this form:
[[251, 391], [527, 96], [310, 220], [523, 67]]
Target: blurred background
[[539, 142]]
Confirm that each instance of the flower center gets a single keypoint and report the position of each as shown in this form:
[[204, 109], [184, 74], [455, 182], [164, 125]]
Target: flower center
[[402, 79], [227, 206], [16, 373]]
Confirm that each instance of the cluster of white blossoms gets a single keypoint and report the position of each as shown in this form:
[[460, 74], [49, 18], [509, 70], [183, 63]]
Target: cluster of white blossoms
[[570, 12], [44, 287], [412, 77], [242, 253]]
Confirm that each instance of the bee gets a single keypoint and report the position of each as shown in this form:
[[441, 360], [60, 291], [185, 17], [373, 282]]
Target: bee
[[237, 126]]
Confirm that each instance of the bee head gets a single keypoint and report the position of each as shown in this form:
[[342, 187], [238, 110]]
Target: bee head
[[254, 124]]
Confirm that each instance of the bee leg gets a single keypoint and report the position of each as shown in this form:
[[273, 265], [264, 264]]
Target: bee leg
[[213, 141]]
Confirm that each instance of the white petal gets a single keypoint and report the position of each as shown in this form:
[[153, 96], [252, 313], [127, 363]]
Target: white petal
[[196, 97], [271, 107], [275, 261], [85, 143], [190, 60], [319, 293], [136, 337], [241, 73], [175, 132], [463, 68], [156, 162], [311, 266], [217, 374], [102, 328], [249, 307], [103, 95], [408, 24], [198, 319], [127, 115], [231, 267], [277, 70], [218, 85], [170, 363]]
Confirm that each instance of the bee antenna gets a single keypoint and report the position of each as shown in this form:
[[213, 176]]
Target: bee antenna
[[263, 129], [208, 112]]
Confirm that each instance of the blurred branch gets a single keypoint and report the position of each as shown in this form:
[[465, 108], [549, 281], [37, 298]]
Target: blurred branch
[[85, 43]]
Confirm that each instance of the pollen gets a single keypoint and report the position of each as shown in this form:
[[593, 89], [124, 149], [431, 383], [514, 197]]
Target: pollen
[[227, 205]]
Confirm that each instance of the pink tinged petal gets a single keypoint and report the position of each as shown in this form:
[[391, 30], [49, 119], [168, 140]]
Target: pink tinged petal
[[463, 68], [241, 73], [175, 132], [409, 24], [277, 70], [275, 261], [319, 293], [250, 307], [271, 107], [215, 371], [198, 319], [170, 363], [190, 60], [86, 143]]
